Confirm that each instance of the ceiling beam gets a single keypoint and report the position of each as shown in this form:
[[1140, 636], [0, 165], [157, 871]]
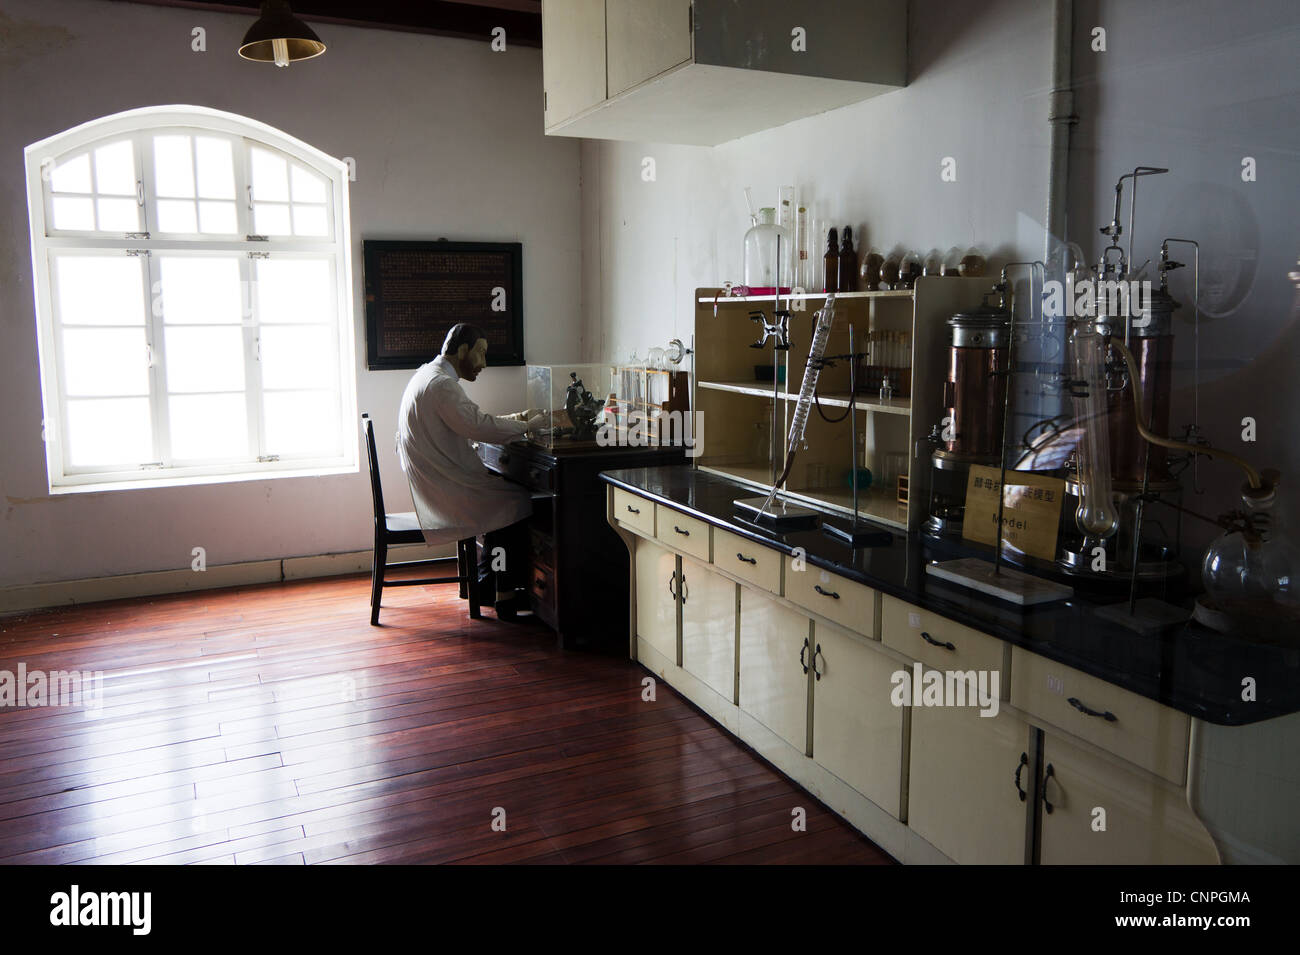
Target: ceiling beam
[[467, 19]]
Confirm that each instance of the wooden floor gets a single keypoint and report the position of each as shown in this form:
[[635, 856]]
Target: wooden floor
[[272, 724]]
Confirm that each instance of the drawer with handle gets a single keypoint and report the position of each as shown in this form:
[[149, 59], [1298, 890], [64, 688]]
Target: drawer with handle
[[939, 642], [682, 533], [837, 598], [1133, 727], [759, 565], [636, 512]]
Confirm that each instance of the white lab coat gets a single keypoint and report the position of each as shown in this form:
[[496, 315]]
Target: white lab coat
[[455, 495]]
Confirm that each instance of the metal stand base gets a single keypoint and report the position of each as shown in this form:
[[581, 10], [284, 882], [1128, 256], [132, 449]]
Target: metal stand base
[[781, 516], [858, 535], [1010, 585], [1149, 615]]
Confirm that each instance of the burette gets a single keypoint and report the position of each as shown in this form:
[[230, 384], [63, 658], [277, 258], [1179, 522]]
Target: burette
[[825, 317]]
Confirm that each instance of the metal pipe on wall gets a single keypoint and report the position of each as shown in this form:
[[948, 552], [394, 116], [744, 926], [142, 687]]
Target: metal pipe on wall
[[1060, 114]]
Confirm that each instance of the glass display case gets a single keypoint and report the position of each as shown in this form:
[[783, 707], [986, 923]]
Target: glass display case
[[548, 388]]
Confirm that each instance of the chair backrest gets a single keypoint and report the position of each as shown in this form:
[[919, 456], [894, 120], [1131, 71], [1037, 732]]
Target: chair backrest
[[376, 489]]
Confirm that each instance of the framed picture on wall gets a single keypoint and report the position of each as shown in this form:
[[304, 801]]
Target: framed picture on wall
[[417, 290]]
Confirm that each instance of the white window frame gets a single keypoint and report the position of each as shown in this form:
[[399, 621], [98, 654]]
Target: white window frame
[[139, 125]]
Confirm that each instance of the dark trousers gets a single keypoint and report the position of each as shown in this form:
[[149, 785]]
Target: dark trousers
[[514, 540]]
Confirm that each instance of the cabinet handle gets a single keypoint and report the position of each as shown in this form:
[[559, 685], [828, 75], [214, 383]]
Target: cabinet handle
[[1083, 708], [1024, 761], [633, 510], [672, 579], [1051, 771], [748, 560], [826, 593], [817, 653], [802, 650], [936, 643], [680, 531]]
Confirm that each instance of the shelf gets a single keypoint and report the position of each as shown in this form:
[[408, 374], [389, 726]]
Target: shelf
[[896, 293], [874, 504], [899, 406]]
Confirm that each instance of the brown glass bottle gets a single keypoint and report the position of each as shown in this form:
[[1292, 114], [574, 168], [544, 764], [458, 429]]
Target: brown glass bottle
[[832, 261], [848, 280]]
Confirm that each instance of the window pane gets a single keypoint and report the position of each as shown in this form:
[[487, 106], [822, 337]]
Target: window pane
[[99, 290], [72, 175], [105, 361], [298, 356], [201, 290], [218, 218], [74, 214], [205, 359], [294, 290], [109, 431], [208, 427], [301, 422], [173, 169], [271, 218], [115, 169], [118, 215], [176, 215], [270, 176], [310, 220], [307, 186], [216, 168]]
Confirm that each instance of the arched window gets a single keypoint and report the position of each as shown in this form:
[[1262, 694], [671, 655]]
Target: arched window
[[193, 300]]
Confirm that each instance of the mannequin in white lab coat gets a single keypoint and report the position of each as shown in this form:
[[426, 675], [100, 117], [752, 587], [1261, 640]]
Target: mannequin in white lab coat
[[455, 495]]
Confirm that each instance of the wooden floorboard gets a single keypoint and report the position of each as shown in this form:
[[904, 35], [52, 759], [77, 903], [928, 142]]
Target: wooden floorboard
[[272, 725]]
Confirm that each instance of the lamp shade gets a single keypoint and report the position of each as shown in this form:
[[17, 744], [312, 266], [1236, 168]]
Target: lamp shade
[[279, 37]]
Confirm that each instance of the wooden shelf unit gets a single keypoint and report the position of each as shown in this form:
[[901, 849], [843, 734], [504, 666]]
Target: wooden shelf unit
[[736, 408]]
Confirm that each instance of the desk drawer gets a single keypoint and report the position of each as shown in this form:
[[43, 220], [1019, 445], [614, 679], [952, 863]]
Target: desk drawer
[[682, 533], [636, 512], [837, 598], [939, 642], [759, 565], [1132, 727], [519, 466]]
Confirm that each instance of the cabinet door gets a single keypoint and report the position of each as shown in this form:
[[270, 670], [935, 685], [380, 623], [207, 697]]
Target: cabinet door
[[857, 730], [961, 787], [709, 627], [646, 37], [656, 603], [773, 681], [1145, 823], [573, 57]]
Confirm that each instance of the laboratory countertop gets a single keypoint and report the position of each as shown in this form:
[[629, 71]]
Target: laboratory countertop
[[1191, 668]]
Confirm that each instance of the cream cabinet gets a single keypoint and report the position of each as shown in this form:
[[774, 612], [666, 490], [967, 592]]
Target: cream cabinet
[[709, 627], [645, 38], [964, 784], [656, 597], [702, 72], [573, 66], [857, 730], [1098, 811], [775, 666]]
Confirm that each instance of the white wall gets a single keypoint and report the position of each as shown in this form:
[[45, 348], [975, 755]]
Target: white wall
[[448, 141], [978, 93]]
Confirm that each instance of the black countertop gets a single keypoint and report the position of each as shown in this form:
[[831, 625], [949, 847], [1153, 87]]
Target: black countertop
[[1190, 667]]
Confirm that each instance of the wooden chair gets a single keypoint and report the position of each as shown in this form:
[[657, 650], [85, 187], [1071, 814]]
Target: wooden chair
[[404, 528]]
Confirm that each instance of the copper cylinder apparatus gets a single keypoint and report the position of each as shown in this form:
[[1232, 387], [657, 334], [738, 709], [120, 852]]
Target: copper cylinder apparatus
[[1152, 344], [974, 393]]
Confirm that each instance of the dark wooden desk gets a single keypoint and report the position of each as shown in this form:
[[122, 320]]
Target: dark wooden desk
[[578, 577]]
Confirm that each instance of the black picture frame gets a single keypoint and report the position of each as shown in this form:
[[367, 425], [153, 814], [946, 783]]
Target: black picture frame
[[415, 292]]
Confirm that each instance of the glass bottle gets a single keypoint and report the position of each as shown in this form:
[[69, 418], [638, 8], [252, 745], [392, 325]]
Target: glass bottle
[[848, 264], [762, 243], [831, 259], [870, 271]]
